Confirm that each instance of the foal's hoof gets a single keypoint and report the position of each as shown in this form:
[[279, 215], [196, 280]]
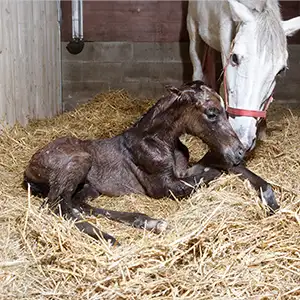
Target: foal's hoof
[[111, 240], [157, 226], [160, 226], [268, 199]]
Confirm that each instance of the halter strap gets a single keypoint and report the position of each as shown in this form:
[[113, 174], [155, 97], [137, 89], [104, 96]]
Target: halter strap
[[238, 112]]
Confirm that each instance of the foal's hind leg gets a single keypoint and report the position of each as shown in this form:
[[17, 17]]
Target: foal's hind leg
[[134, 219], [63, 184], [65, 179], [89, 229], [181, 158], [87, 192]]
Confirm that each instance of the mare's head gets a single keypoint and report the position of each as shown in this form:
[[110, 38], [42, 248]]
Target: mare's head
[[204, 116], [257, 56]]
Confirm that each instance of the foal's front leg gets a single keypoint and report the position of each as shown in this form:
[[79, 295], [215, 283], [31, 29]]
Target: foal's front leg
[[181, 159], [184, 186], [263, 187]]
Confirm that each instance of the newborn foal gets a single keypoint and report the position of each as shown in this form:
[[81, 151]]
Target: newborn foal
[[147, 158]]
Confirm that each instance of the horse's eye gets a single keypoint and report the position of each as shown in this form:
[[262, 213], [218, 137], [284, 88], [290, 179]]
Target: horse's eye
[[235, 60], [282, 71], [212, 113]]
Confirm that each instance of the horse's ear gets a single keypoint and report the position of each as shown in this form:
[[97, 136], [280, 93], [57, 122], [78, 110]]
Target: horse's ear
[[240, 12], [291, 26], [256, 5], [173, 90]]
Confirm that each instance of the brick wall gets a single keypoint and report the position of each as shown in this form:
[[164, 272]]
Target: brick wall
[[141, 68]]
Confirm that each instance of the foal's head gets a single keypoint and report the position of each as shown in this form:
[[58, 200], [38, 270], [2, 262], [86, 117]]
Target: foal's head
[[205, 117]]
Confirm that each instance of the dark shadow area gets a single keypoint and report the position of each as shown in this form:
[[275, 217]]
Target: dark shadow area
[[184, 45], [66, 22]]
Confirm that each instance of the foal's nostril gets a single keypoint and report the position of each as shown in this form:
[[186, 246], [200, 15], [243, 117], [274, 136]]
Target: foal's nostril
[[241, 153]]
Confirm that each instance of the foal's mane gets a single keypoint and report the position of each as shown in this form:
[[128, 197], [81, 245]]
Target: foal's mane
[[160, 106], [165, 102]]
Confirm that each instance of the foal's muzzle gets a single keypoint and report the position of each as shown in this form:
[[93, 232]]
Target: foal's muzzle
[[235, 156]]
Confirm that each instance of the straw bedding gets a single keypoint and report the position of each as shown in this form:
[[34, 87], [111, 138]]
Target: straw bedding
[[220, 245]]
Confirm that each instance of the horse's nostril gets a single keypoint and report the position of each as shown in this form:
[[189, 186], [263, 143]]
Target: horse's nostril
[[251, 147]]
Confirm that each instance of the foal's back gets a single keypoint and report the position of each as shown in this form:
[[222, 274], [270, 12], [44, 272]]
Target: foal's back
[[104, 164]]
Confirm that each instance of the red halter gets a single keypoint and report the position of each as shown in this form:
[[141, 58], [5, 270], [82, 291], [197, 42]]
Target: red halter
[[244, 112], [238, 111]]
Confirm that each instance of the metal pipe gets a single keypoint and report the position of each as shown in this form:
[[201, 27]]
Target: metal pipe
[[77, 43], [77, 19]]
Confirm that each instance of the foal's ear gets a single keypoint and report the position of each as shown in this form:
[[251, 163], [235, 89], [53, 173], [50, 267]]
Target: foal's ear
[[173, 90]]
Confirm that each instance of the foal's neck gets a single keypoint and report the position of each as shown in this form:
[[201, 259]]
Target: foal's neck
[[167, 125]]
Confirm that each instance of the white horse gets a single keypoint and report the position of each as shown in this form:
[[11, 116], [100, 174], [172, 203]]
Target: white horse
[[251, 37]]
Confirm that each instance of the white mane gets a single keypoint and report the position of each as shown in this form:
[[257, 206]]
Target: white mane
[[269, 30]]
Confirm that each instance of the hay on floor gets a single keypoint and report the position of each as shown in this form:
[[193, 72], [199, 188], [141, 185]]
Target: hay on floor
[[221, 244]]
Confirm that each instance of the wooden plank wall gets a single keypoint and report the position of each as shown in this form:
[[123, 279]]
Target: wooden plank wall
[[30, 60], [142, 21], [134, 21]]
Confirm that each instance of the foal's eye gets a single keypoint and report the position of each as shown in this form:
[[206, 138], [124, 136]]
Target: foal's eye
[[212, 113], [235, 60]]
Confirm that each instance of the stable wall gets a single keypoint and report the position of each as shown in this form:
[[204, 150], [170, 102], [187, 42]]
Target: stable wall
[[141, 46], [30, 61]]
